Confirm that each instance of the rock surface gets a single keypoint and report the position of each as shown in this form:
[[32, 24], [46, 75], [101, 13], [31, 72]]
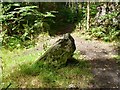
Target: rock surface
[[58, 54]]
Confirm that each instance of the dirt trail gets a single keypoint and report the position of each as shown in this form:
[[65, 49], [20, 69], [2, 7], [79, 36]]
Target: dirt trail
[[105, 69]]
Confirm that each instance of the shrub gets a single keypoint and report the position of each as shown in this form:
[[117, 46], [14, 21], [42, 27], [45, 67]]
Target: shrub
[[22, 23]]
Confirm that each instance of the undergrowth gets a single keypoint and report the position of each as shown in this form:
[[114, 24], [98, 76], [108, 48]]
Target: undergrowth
[[18, 70]]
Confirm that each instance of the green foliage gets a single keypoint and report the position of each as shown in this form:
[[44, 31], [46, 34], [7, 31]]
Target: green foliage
[[18, 69], [98, 32], [109, 16], [22, 23], [93, 9], [52, 77], [107, 35], [107, 28], [68, 14]]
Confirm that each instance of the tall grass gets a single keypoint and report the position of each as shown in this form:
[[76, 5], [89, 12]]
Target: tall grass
[[18, 71]]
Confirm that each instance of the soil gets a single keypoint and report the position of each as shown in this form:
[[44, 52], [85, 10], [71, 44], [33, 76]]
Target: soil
[[105, 69], [99, 54]]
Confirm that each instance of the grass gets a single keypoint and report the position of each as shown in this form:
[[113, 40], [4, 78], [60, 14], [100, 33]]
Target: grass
[[117, 57], [12, 61], [18, 71]]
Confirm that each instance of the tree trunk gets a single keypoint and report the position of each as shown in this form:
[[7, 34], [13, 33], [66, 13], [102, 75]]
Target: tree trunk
[[88, 14]]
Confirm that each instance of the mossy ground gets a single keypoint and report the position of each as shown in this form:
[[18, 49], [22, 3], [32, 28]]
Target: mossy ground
[[17, 70]]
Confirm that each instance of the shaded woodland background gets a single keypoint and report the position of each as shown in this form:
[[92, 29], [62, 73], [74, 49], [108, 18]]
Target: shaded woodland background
[[23, 22], [29, 29]]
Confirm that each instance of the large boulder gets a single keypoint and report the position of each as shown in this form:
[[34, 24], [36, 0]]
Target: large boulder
[[59, 53]]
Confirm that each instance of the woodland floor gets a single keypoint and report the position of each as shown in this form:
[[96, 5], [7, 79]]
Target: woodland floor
[[99, 54], [104, 67]]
